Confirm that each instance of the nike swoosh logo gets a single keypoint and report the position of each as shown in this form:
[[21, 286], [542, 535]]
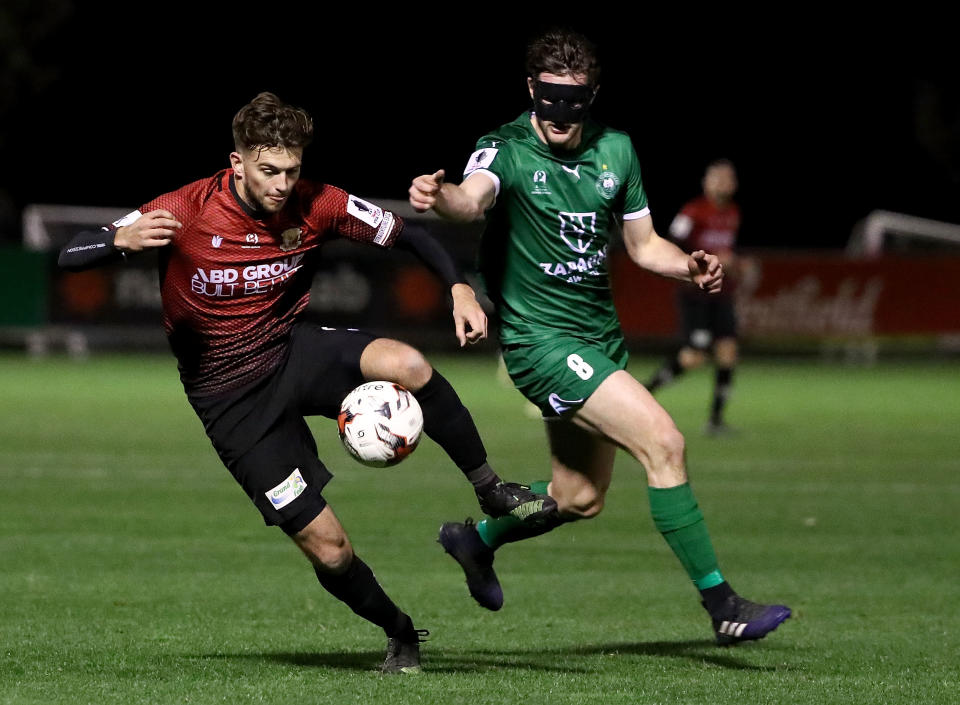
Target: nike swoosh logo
[[561, 405]]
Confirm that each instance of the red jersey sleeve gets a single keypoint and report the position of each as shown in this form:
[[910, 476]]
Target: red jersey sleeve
[[354, 218], [691, 209], [185, 203]]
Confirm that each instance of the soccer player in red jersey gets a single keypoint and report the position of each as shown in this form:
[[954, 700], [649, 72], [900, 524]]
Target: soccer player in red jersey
[[237, 252], [709, 222]]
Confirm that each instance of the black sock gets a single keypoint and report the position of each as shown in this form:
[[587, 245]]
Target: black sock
[[447, 421], [359, 590], [483, 479], [721, 392], [714, 598], [670, 370]]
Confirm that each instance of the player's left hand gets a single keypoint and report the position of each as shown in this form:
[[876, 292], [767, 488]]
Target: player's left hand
[[468, 315], [705, 271]]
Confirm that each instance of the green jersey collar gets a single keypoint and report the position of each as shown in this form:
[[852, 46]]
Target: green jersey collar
[[591, 130]]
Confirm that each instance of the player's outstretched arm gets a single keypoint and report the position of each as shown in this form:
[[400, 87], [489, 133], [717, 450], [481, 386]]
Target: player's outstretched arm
[[660, 256], [469, 318], [463, 203], [90, 249]]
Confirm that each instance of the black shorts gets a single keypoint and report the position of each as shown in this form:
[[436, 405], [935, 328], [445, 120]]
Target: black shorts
[[706, 318], [260, 433]]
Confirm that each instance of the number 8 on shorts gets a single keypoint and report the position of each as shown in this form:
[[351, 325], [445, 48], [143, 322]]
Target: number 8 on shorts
[[580, 366]]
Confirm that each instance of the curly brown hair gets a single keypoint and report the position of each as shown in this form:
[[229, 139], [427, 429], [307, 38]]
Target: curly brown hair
[[266, 121], [563, 51]]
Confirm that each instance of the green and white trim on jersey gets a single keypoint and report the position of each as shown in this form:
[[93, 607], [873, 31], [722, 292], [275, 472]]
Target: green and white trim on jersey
[[544, 254]]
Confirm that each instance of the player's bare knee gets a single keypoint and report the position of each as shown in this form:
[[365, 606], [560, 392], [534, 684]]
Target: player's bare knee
[[412, 369], [664, 455], [725, 353], [691, 358], [397, 362], [671, 447], [664, 458], [331, 558], [584, 504], [331, 554], [419, 370]]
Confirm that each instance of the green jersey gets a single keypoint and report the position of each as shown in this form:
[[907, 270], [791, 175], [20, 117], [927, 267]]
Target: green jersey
[[543, 256]]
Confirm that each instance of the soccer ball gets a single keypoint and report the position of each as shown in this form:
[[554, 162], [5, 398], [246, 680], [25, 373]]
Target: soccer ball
[[380, 423]]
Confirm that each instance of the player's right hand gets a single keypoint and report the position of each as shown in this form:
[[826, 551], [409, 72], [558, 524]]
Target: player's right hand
[[154, 229], [470, 320], [705, 271], [424, 191]]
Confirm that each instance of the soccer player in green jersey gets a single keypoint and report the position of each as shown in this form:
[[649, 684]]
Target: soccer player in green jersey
[[552, 184]]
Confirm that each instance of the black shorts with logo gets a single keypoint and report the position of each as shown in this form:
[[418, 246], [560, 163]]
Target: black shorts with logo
[[706, 318], [260, 433]]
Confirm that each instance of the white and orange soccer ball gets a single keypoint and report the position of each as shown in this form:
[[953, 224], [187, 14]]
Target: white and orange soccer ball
[[380, 423]]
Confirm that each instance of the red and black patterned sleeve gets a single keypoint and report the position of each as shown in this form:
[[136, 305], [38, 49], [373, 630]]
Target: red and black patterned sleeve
[[358, 219], [94, 248], [186, 202]]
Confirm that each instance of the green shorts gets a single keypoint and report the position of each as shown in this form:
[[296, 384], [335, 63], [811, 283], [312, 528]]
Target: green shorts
[[558, 375]]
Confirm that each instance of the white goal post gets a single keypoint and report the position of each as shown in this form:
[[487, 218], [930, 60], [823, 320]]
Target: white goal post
[[873, 236]]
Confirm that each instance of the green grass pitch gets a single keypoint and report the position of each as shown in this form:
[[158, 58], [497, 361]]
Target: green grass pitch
[[134, 570]]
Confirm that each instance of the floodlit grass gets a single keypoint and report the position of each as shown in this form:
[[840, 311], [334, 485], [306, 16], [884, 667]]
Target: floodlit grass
[[134, 570]]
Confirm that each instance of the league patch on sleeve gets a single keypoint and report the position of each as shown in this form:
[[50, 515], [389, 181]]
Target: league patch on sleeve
[[386, 227], [481, 159], [364, 210], [127, 219]]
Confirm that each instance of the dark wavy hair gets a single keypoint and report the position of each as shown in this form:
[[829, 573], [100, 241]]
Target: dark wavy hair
[[266, 121], [563, 51]]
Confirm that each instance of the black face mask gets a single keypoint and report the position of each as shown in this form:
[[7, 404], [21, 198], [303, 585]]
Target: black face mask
[[567, 103]]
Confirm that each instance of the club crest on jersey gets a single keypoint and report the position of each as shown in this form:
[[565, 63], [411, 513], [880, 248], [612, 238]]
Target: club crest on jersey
[[540, 183], [607, 184], [290, 239], [578, 229]]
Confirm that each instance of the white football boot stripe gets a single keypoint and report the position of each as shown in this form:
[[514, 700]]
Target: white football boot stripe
[[732, 628]]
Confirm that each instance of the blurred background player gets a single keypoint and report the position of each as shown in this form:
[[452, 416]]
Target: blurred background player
[[709, 222], [551, 184], [237, 254]]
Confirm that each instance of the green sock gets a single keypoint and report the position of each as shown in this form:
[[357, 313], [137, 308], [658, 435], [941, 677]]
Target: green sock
[[496, 532], [677, 516], [539, 487]]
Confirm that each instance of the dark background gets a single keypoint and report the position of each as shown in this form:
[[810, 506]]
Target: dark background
[[826, 118]]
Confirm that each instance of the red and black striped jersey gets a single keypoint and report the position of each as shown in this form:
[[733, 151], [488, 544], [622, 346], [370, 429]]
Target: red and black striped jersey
[[233, 281]]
